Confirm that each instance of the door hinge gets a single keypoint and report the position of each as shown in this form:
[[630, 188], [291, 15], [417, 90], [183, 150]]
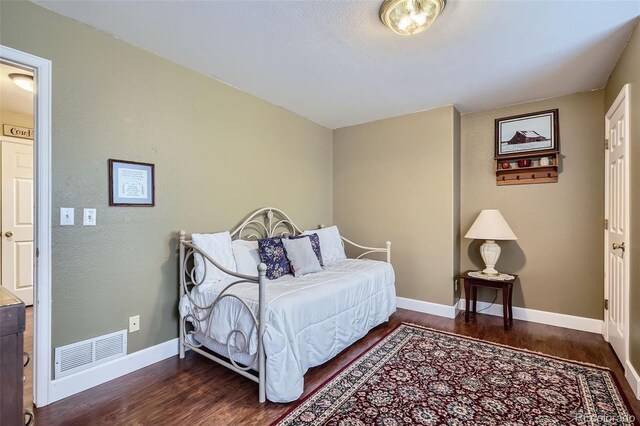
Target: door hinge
[[606, 144], [606, 304], [606, 224], [37, 252]]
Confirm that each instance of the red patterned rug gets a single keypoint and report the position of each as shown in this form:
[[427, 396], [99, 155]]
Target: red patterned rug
[[421, 376]]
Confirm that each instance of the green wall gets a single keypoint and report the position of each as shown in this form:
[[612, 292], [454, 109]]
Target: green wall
[[396, 179], [421, 179], [219, 154], [558, 254]]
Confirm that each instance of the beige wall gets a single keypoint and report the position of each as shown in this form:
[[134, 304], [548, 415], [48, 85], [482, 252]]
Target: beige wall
[[394, 180], [558, 254], [219, 153], [627, 70], [14, 118]]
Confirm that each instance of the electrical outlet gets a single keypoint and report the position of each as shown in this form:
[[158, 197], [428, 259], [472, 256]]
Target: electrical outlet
[[134, 323], [66, 215], [89, 217]]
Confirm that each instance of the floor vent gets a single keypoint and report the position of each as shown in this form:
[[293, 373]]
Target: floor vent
[[89, 353]]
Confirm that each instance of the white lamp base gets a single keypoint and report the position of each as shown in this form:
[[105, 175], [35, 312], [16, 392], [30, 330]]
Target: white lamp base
[[490, 252]]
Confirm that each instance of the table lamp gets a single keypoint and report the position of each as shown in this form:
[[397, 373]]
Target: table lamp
[[490, 226]]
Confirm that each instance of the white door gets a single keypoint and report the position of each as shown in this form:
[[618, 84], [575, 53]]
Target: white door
[[617, 225], [17, 219]]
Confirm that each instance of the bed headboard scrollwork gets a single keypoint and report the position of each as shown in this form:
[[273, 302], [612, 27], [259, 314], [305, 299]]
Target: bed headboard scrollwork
[[266, 222]]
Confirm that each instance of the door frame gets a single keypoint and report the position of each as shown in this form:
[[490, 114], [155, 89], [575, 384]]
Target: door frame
[[42, 231], [623, 97]]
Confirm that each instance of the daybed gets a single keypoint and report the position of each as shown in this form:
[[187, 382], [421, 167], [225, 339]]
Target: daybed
[[273, 331]]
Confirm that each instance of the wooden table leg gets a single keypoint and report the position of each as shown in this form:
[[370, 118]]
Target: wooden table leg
[[474, 290], [467, 295], [510, 305], [505, 306]]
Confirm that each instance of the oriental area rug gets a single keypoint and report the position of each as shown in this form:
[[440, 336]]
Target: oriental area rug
[[421, 376]]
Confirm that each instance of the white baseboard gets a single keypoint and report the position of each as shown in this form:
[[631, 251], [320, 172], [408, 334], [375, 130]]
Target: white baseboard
[[83, 380], [426, 307], [633, 378], [542, 317]]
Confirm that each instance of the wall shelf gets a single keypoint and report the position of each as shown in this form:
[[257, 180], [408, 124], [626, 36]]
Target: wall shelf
[[535, 173]]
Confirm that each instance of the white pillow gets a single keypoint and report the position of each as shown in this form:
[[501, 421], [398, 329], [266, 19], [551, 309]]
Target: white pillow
[[247, 256], [218, 247], [301, 256], [331, 245]]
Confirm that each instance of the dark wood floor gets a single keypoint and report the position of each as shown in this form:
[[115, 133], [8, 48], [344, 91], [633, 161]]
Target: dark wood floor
[[197, 391]]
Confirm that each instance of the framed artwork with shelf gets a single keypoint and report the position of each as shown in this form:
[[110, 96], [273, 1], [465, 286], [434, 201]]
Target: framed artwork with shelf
[[527, 148]]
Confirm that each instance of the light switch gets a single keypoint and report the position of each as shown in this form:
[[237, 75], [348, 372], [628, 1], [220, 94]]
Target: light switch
[[89, 217], [66, 216]]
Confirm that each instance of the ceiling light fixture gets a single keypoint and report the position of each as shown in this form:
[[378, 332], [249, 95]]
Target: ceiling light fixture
[[408, 17], [23, 81]]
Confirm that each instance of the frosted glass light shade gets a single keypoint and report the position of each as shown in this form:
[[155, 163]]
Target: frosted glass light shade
[[490, 225], [408, 17], [23, 81]]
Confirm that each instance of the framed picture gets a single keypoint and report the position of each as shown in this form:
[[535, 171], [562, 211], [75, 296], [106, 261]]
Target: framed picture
[[535, 134], [131, 184]]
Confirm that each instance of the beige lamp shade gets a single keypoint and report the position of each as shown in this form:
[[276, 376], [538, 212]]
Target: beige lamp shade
[[490, 225]]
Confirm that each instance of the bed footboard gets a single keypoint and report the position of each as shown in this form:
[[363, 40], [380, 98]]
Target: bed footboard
[[202, 313]]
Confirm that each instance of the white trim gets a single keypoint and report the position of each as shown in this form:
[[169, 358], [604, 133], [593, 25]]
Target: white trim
[[446, 311], [542, 317], [86, 379], [42, 300], [633, 378]]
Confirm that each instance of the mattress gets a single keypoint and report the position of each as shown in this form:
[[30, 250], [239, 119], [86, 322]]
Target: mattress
[[309, 319]]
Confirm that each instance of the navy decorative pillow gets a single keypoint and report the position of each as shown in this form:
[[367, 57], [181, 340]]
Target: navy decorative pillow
[[315, 244], [273, 254]]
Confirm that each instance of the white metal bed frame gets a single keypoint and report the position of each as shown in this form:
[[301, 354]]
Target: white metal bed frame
[[262, 223]]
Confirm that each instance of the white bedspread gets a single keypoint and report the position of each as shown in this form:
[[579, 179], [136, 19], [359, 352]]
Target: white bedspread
[[309, 320]]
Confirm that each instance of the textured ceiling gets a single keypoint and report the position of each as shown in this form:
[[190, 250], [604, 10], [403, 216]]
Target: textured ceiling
[[336, 64]]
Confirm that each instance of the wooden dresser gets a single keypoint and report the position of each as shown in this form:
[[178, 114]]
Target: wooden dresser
[[12, 320]]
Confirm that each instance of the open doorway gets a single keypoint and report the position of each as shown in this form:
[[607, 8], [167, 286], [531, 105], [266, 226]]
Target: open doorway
[[17, 199], [17, 208], [40, 69]]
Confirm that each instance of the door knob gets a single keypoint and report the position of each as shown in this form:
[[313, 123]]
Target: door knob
[[618, 246], [8, 234]]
